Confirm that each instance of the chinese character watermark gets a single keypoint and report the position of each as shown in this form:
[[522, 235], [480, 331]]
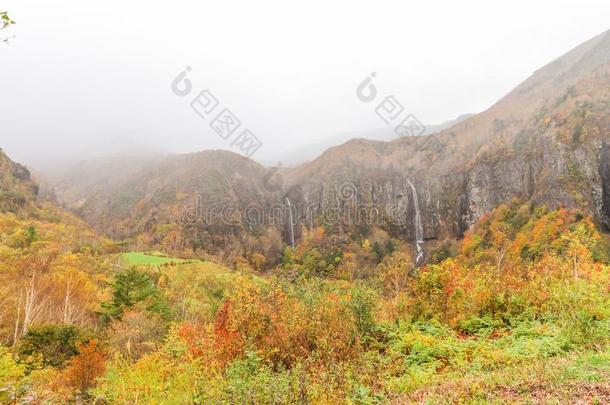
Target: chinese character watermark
[[224, 123], [390, 110]]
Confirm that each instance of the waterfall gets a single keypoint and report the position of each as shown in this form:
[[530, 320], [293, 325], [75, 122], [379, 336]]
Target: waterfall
[[419, 229], [291, 222]]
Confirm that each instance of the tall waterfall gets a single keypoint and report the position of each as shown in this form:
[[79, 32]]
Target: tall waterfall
[[291, 222], [419, 229]]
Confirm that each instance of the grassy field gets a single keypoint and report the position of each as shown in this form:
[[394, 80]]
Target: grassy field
[[185, 266], [138, 258]]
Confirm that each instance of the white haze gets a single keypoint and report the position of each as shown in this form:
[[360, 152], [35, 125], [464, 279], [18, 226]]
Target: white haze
[[85, 79]]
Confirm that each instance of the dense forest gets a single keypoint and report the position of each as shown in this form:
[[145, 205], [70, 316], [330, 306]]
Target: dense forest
[[518, 309]]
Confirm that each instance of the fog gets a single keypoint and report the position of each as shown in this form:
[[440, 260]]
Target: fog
[[82, 80]]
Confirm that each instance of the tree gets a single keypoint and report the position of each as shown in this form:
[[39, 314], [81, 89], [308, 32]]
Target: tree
[[55, 343], [5, 22], [500, 238], [394, 272], [32, 300], [130, 288], [578, 246], [89, 364], [74, 295], [378, 251]]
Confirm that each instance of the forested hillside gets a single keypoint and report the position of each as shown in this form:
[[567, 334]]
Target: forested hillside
[[545, 142], [516, 311]]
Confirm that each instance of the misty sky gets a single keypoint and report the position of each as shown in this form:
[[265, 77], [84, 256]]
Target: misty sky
[[84, 79]]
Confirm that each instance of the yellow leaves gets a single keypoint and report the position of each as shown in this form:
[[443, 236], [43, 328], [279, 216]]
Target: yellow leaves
[[52, 265], [508, 259], [470, 242], [521, 240], [11, 373], [9, 222], [546, 120], [255, 261], [181, 196], [394, 272]]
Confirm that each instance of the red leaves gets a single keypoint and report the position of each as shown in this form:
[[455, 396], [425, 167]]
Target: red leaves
[[228, 343]]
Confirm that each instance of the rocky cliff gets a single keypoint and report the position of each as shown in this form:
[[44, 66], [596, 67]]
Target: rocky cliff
[[545, 142], [17, 190]]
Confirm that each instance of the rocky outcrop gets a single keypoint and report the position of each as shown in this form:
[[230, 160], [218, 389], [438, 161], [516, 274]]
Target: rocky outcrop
[[17, 190]]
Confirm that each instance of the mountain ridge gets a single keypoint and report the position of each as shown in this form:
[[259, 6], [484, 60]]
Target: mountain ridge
[[545, 142]]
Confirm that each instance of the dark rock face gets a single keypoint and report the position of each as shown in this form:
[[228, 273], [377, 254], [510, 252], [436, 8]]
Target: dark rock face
[[545, 172], [21, 172], [546, 142], [385, 198], [17, 190], [604, 172]]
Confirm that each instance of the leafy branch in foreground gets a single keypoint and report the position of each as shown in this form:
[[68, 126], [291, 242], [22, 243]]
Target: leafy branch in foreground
[[5, 22]]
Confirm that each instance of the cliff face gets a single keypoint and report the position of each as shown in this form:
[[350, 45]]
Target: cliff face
[[545, 142], [17, 190], [562, 163]]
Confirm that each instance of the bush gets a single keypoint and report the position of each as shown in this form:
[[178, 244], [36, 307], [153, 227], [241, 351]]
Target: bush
[[446, 250], [479, 326], [54, 344], [88, 365], [582, 310], [11, 376]]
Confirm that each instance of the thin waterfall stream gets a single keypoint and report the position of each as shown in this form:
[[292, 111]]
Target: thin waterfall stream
[[291, 222], [419, 229]]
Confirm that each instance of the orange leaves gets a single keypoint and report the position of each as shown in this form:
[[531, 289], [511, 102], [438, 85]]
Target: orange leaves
[[280, 326], [228, 343], [89, 364], [509, 259], [188, 333], [317, 236], [517, 235], [217, 344]]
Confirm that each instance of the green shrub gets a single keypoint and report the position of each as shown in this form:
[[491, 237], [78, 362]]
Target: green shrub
[[479, 326], [582, 311], [54, 344]]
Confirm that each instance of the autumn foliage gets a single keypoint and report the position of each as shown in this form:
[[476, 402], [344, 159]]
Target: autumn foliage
[[86, 366], [342, 319]]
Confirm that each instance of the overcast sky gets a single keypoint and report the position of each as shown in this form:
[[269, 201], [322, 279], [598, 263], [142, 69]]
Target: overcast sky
[[83, 78]]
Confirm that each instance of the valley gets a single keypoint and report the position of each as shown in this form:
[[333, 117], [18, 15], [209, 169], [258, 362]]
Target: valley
[[468, 265]]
